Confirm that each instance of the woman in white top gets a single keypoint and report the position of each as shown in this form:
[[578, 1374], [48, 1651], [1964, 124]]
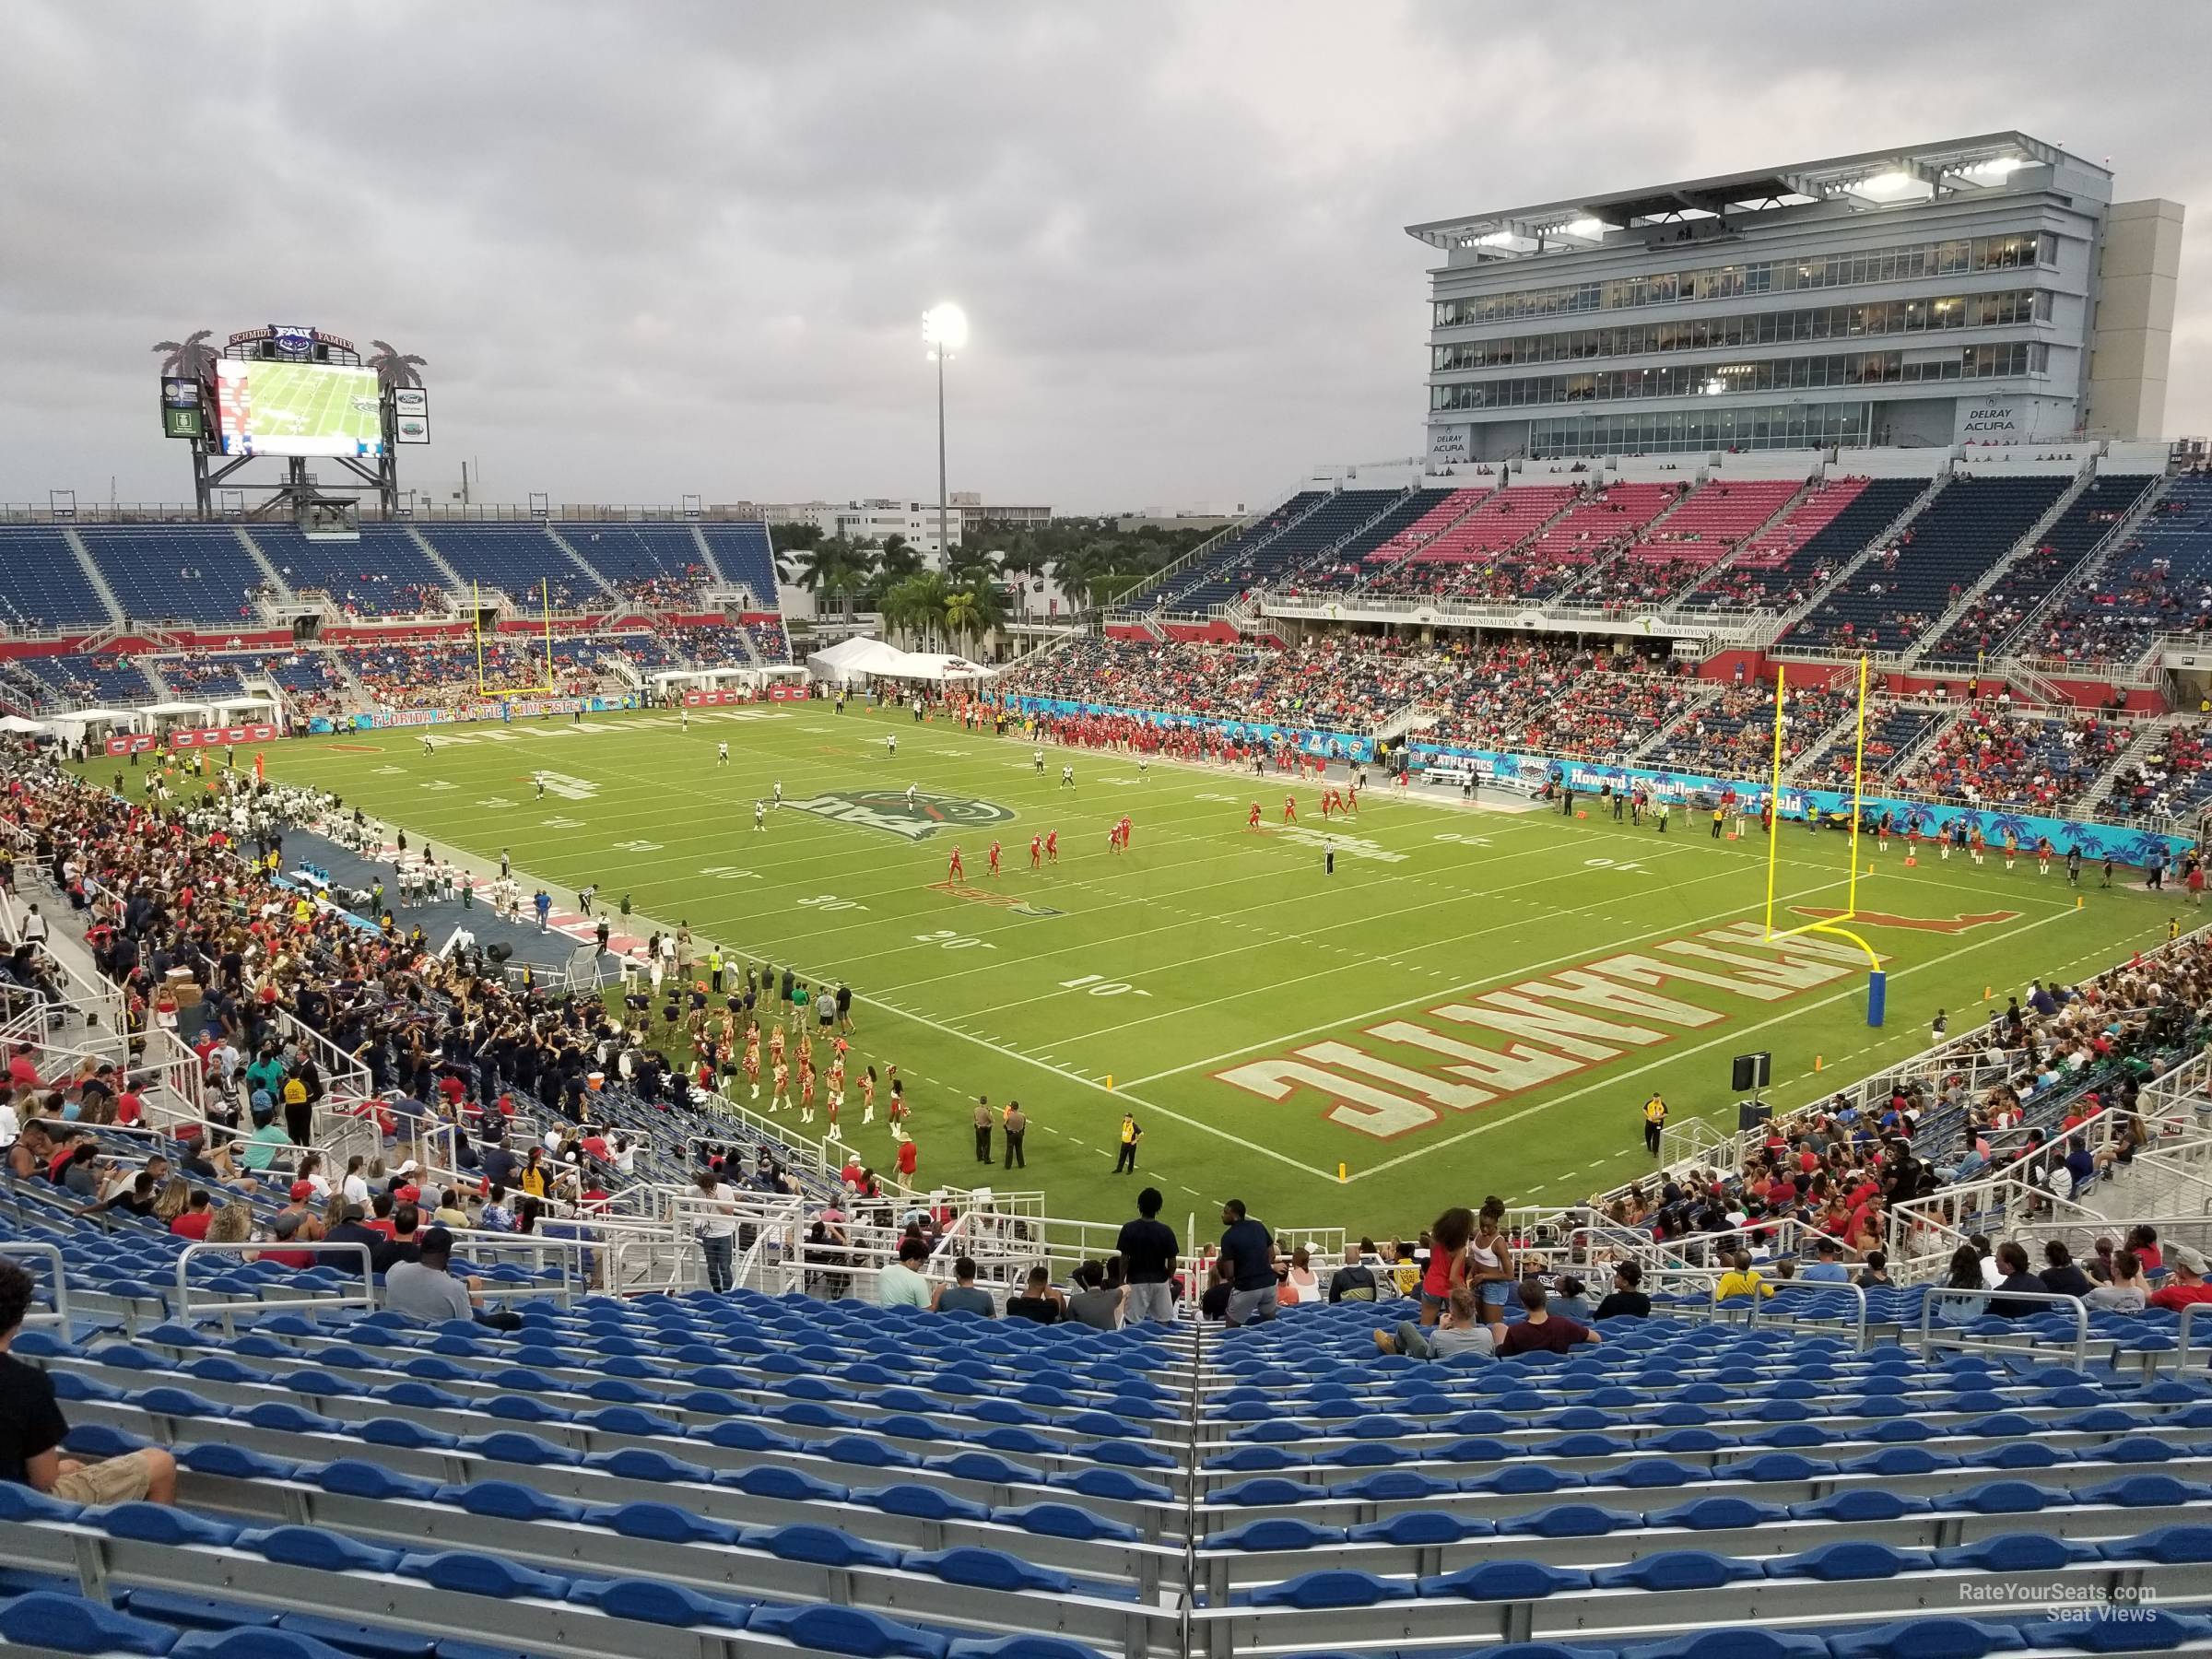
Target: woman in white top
[[1300, 1283], [356, 1185]]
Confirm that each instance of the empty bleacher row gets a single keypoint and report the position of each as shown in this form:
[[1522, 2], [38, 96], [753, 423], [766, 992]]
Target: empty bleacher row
[[2156, 581], [209, 574], [1957, 539], [889, 1481], [1990, 626]]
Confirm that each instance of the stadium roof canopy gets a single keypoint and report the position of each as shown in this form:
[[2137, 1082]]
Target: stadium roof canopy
[[1873, 179]]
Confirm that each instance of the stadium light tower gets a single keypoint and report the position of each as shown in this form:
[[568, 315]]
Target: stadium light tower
[[943, 331]]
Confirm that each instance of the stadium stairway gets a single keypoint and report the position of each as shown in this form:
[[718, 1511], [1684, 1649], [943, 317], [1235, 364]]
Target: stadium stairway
[[269, 571], [2148, 585], [1891, 601], [95, 577], [584, 567], [2106, 510], [455, 583], [1833, 555], [48, 583]]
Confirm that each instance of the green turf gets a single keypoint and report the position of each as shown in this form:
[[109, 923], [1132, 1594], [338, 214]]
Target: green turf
[[1210, 947]]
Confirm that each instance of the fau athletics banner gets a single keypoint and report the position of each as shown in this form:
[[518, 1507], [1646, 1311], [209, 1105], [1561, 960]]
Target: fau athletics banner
[[1336, 746], [2096, 840]]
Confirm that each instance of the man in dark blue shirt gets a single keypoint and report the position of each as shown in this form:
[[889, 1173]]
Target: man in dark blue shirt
[[1248, 1251]]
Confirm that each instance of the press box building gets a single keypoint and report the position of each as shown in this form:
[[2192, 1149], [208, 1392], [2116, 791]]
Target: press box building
[[1985, 288]]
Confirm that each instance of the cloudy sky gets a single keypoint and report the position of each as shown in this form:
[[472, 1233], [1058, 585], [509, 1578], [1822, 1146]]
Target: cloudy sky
[[659, 248]]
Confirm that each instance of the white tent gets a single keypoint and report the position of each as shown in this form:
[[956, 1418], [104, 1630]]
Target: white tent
[[202, 711], [862, 658], [15, 723]]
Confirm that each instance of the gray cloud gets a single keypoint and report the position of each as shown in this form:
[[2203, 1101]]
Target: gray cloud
[[667, 248]]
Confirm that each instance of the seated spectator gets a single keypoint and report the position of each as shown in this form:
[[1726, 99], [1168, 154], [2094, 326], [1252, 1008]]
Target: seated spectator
[[1742, 1279], [2143, 1239], [1539, 1330], [1039, 1300], [1827, 1267], [1875, 1273], [292, 1228], [1300, 1284], [1214, 1303], [963, 1295], [32, 1428], [900, 1284], [2124, 1292], [1626, 1300], [407, 1223], [198, 1214], [2016, 1283], [1460, 1331], [2187, 1285], [1096, 1303], [2060, 1276], [1355, 1281], [1571, 1300], [423, 1288]]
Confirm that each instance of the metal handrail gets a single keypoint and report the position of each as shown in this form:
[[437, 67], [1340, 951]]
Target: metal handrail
[[1857, 1292], [31, 1247], [1928, 1332], [364, 1297]]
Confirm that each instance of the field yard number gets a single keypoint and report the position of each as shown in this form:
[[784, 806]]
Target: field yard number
[[1464, 841], [389, 771], [437, 783], [562, 823], [1607, 863], [1214, 794], [830, 902], [953, 941], [729, 873], [1097, 985], [494, 803], [637, 846]]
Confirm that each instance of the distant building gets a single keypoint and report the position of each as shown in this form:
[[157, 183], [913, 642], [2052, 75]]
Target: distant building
[[877, 519], [975, 510], [1983, 289]]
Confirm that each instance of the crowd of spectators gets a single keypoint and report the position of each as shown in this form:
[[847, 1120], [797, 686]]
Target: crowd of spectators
[[1993, 757], [1835, 1170]]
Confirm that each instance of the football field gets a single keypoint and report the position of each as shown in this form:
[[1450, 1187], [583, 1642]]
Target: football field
[[1476, 1001]]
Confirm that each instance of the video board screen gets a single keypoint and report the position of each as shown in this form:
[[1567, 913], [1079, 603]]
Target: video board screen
[[277, 409]]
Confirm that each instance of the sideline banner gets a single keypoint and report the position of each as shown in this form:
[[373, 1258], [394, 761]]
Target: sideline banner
[[1336, 746], [223, 736], [716, 699], [1533, 771], [198, 737]]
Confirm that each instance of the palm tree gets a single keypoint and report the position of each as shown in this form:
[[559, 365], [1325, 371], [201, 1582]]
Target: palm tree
[[972, 609], [393, 368], [831, 568], [191, 357], [899, 560], [916, 605]]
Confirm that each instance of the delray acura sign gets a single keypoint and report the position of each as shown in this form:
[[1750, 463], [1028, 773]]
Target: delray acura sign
[[1991, 420]]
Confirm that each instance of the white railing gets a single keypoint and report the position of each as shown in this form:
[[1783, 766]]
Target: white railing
[[57, 1280], [1732, 627]]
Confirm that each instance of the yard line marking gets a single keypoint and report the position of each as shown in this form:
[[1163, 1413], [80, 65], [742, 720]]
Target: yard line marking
[[1683, 1054]]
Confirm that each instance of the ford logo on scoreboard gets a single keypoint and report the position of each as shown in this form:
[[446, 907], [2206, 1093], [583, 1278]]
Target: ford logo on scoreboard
[[292, 340]]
